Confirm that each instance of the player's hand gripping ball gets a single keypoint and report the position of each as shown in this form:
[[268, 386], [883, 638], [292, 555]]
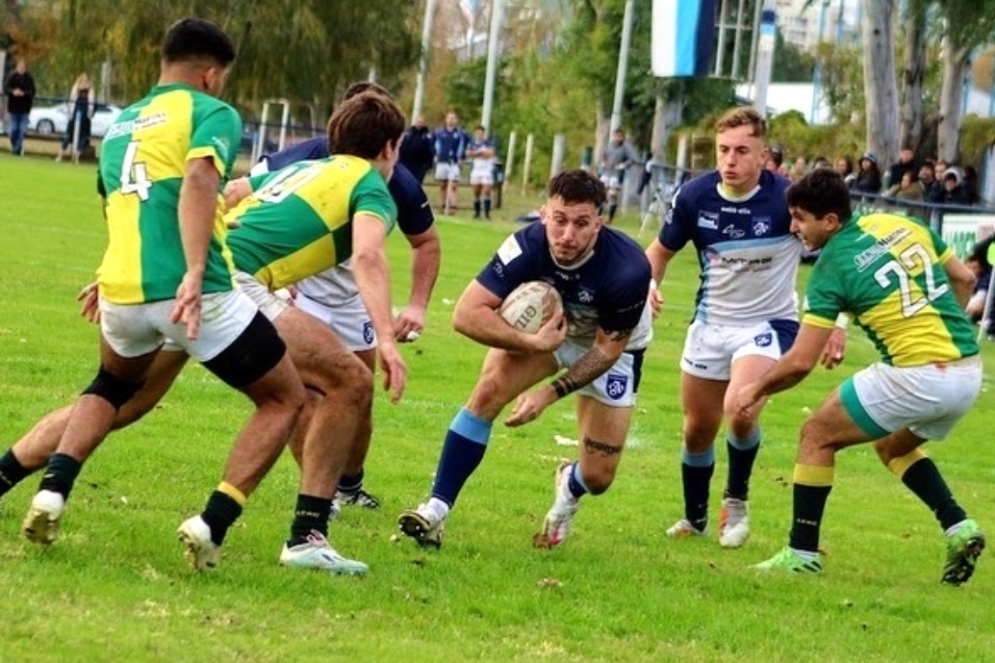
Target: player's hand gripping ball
[[529, 306]]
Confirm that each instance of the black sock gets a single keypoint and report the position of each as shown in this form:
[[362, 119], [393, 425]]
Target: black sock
[[611, 212], [810, 504], [311, 515], [11, 472], [696, 484], [351, 483], [220, 513], [923, 478], [60, 475], [476, 206], [487, 207], [742, 453]]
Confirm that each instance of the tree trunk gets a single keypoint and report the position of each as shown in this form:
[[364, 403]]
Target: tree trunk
[[955, 63], [659, 135], [915, 68], [880, 86]]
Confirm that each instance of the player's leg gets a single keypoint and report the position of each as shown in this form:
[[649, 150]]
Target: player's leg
[[475, 185], [350, 488], [442, 180], [128, 346], [485, 194], [343, 389], [503, 377], [241, 347], [32, 451], [604, 411], [454, 175]]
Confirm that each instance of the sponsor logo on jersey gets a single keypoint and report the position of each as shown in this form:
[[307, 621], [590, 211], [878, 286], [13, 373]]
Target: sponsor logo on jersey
[[708, 220], [585, 296], [615, 385], [761, 225], [733, 232], [368, 332], [509, 250]]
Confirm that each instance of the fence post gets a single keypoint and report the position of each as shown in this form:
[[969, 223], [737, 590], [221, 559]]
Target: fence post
[[527, 167]]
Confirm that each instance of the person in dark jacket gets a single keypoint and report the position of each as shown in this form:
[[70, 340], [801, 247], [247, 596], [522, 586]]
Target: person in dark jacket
[[417, 151], [869, 177], [20, 89]]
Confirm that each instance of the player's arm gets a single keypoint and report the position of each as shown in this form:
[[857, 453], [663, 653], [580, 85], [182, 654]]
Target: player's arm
[[607, 348], [659, 257], [369, 262], [197, 208], [792, 368], [426, 255], [476, 317], [961, 280]]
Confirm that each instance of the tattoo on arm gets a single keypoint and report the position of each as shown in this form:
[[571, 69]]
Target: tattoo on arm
[[603, 449], [583, 372]]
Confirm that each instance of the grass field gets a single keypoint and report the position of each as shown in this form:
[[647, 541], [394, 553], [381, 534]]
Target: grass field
[[115, 587]]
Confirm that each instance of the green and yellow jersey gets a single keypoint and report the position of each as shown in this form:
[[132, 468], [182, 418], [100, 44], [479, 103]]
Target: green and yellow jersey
[[887, 270], [298, 220], [142, 161]]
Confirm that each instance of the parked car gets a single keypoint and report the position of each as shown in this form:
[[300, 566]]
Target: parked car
[[48, 120]]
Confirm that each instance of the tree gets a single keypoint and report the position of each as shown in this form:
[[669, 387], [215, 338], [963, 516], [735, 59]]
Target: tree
[[914, 73], [880, 84]]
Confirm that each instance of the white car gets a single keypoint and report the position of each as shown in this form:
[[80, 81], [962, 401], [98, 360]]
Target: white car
[[48, 120]]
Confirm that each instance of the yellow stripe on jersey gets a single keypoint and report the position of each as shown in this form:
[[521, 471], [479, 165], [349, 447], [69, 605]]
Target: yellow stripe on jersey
[[126, 242], [202, 152]]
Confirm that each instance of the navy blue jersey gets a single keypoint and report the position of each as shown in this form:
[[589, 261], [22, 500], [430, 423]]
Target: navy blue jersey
[[747, 252], [414, 214], [450, 144], [608, 290]]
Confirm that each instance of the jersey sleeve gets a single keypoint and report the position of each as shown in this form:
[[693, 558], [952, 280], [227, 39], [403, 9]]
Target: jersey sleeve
[[216, 135], [308, 150], [676, 231], [625, 300], [414, 213], [511, 266], [370, 196], [824, 299]]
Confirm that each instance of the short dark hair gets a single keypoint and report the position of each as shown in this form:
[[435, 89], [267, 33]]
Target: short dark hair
[[360, 87], [195, 38], [822, 191], [578, 186], [364, 124]]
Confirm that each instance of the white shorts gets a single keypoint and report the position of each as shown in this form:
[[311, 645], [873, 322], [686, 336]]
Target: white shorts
[[481, 177], [928, 400], [710, 349], [611, 181], [134, 330], [349, 320], [269, 303], [617, 386], [447, 172]]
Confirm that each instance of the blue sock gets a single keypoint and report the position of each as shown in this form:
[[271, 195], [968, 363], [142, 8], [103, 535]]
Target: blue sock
[[462, 452], [575, 482], [696, 474], [742, 453]]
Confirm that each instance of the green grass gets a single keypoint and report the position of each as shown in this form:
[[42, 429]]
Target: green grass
[[115, 588]]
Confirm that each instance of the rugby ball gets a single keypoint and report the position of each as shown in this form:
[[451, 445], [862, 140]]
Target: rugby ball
[[529, 306]]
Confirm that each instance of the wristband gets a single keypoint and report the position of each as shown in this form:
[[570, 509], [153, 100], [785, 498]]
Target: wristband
[[842, 320]]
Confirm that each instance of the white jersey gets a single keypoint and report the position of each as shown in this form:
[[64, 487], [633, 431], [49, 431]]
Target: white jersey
[[748, 254]]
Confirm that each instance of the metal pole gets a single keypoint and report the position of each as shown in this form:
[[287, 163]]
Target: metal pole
[[623, 65], [765, 56], [510, 160], [529, 141], [738, 39], [492, 58], [426, 44], [817, 71], [754, 39], [559, 148], [720, 46]]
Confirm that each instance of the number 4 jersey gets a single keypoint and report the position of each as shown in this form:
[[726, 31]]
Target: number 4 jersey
[[888, 271], [142, 162]]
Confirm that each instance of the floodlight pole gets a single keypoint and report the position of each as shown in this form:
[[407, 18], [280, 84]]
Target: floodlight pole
[[765, 57], [426, 44], [623, 65], [493, 52]]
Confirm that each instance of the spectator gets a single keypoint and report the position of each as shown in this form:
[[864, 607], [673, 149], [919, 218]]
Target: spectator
[[820, 162], [799, 169], [20, 88], [953, 191], [902, 166], [970, 184], [931, 188], [450, 150], [775, 157], [941, 169], [980, 265], [844, 166], [908, 188], [869, 178], [417, 151], [80, 109]]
